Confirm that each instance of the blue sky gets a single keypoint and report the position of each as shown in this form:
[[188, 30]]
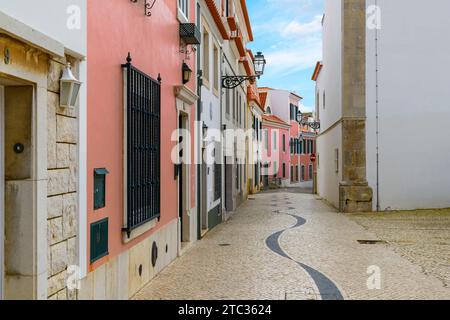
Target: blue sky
[[288, 32]]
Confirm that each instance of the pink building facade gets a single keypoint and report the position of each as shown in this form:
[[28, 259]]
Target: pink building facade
[[295, 138], [141, 188], [275, 154]]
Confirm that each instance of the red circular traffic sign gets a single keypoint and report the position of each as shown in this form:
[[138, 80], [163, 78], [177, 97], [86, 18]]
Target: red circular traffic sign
[[313, 157]]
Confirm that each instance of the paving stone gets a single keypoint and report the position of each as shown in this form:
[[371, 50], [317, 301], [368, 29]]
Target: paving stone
[[324, 246]]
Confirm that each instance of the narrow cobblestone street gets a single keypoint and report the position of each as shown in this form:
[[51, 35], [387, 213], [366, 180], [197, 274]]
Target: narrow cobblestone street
[[288, 245]]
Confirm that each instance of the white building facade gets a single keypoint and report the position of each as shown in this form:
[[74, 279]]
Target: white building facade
[[211, 116], [234, 103], [388, 85]]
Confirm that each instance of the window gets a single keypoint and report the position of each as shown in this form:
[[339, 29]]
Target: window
[[310, 172], [294, 112], [234, 104], [183, 10], [296, 173], [318, 100], [227, 101], [142, 148], [217, 181], [229, 8], [284, 170], [268, 110], [239, 117], [205, 46], [275, 169], [292, 173], [216, 68], [303, 173], [237, 176], [336, 160], [284, 143], [266, 139], [274, 141]]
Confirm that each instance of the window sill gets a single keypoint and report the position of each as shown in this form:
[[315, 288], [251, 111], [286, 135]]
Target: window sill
[[136, 233]]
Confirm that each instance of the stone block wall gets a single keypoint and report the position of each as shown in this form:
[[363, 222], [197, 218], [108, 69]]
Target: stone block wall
[[62, 150]]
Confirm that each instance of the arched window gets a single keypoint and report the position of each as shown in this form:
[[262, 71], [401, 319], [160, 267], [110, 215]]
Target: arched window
[[268, 111]]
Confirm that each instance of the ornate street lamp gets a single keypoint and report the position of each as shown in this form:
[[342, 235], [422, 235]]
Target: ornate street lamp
[[260, 64], [186, 73], [315, 125], [231, 82], [70, 88]]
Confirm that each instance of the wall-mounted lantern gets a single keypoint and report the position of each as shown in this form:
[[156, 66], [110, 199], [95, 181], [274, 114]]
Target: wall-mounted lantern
[[260, 64], [70, 88], [205, 130], [187, 72]]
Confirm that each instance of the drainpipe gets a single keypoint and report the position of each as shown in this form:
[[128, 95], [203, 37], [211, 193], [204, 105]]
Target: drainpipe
[[377, 115], [199, 153]]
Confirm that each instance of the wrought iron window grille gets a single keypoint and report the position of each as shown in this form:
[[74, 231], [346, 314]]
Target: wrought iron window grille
[[142, 137]]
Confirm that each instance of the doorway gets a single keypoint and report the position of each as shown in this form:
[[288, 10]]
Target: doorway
[[183, 182], [204, 194]]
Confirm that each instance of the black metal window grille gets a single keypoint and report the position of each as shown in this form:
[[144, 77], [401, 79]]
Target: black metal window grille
[[143, 125]]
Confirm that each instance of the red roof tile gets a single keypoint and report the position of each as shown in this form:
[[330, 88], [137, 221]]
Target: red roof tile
[[273, 118], [263, 98]]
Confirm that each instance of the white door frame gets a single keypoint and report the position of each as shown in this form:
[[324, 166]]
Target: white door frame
[[2, 188]]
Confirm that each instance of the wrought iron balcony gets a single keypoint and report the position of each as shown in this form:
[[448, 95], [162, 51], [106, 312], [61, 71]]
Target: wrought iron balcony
[[189, 33]]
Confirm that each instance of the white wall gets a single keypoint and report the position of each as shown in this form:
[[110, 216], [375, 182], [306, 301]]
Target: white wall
[[332, 65], [414, 96], [330, 81], [327, 178], [279, 104], [50, 17], [211, 111]]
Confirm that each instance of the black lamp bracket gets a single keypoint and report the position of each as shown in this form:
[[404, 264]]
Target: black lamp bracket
[[148, 6]]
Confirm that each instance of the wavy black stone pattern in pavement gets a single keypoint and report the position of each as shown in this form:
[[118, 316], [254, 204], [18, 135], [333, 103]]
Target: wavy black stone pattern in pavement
[[327, 288]]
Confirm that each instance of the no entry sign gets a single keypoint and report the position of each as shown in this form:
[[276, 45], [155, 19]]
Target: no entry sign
[[313, 157]]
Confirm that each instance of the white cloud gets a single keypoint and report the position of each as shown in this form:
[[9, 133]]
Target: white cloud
[[298, 29]]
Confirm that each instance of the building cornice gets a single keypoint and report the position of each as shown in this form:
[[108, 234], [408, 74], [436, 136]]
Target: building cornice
[[18, 30]]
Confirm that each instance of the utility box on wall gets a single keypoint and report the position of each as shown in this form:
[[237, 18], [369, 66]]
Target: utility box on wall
[[99, 240], [100, 188]]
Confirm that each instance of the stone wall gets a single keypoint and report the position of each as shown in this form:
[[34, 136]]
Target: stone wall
[[354, 193], [62, 185]]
